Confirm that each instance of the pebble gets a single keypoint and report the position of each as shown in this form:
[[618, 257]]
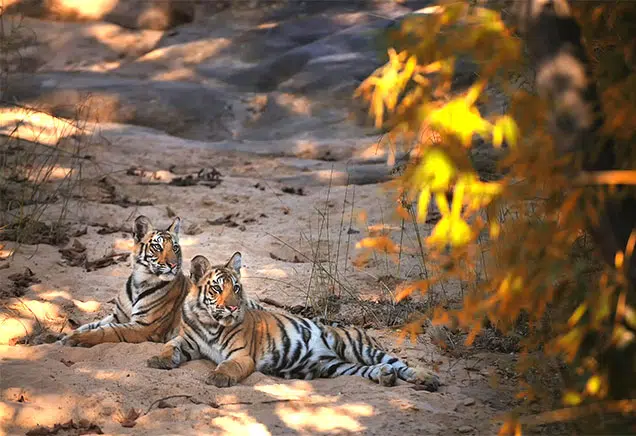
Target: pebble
[[469, 402], [465, 429]]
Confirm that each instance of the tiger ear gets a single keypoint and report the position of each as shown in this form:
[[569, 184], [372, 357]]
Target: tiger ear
[[235, 263], [141, 228], [199, 265], [175, 226]]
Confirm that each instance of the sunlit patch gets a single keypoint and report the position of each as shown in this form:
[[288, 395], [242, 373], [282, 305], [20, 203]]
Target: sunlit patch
[[176, 74], [5, 253], [81, 8], [87, 306], [273, 272], [187, 242], [124, 244], [298, 390], [324, 419], [298, 105], [42, 310], [270, 25], [12, 328], [235, 423], [47, 173], [51, 295], [35, 126]]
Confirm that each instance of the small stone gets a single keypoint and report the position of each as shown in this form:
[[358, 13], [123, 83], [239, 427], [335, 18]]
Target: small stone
[[465, 429], [469, 402]]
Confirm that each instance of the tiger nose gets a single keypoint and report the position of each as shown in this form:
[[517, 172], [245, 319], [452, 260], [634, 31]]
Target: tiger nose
[[172, 265], [232, 308]]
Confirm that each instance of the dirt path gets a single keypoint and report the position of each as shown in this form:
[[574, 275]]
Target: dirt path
[[265, 101]]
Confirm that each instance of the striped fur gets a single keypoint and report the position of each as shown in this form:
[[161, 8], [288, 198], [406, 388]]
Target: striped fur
[[149, 308], [217, 325]]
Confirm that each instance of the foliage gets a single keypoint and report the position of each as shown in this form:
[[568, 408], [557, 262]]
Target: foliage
[[531, 222]]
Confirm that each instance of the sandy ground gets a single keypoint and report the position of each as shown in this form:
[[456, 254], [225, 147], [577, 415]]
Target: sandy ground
[[296, 140]]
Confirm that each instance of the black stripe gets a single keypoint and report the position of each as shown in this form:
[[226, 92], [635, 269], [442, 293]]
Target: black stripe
[[333, 368], [129, 289], [349, 371], [149, 308], [353, 347], [391, 361], [151, 291], [186, 354], [119, 336], [190, 340], [360, 343], [305, 358], [234, 351], [306, 336], [230, 335]]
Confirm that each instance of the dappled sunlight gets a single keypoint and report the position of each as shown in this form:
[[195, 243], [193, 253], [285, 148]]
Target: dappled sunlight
[[124, 244], [297, 390], [89, 10], [104, 375], [296, 104], [47, 173], [273, 273], [5, 253], [176, 74], [12, 328], [239, 423], [35, 411], [324, 419], [35, 126], [42, 310], [193, 52], [118, 39]]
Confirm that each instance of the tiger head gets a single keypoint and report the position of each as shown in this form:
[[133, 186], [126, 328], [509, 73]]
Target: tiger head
[[157, 251], [219, 288]]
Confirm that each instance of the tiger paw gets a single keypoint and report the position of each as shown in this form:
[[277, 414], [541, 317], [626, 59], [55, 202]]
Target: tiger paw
[[429, 380], [387, 376], [221, 380], [70, 340], [159, 362]]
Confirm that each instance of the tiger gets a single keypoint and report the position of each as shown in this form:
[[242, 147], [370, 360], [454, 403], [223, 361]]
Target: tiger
[[217, 324], [149, 307]]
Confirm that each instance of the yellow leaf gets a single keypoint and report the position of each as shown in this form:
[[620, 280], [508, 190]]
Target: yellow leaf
[[461, 119], [435, 171], [572, 398], [593, 385], [578, 313], [507, 127], [422, 204], [452, 231]]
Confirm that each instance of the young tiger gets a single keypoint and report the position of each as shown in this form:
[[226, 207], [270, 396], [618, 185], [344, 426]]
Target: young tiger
[[216, 324], [149, 308]]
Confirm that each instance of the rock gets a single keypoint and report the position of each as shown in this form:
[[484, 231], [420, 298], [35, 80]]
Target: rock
[[465, 429], [187, 110], [469, 402]]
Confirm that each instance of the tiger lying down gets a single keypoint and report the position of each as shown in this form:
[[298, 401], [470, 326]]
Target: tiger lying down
[[217, 324]]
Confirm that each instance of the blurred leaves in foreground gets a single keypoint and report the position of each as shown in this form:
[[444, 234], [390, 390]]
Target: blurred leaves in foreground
[[520, 238]]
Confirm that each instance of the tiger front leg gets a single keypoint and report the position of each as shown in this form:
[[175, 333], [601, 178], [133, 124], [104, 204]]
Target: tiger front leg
[[174, 353], [67, 340], [132, 332], [231, 372]]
